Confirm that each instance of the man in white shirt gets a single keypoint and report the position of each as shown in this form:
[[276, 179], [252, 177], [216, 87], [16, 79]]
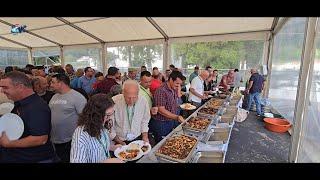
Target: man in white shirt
[[197, 93], [132, 115], [237, 78]]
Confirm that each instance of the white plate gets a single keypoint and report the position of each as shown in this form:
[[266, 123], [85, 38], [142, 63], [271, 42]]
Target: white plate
[[13, 125], [124, 148], [141, 143], [192, 107], [268, 115], [210, 96], [6, 108]]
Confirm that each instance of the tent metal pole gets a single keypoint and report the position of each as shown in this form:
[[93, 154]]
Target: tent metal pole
[[62, 56], [269, 64], [104, 58], [30, 56], [303, 91], [165, 55], [266, 51]]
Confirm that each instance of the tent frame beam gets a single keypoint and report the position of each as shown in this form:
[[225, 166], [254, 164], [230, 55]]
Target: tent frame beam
[[80, 29], [155, 25], [15, 42], [29, 32], [279, 25], [274, 23], [141, 40], [218, 34]]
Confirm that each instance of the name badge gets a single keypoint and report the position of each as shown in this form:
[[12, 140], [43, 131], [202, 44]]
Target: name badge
[[130, 136]]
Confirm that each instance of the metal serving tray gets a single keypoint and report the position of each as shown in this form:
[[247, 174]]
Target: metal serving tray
[[219, 134], [167, 158], [209, 157], [208, 115], [185, 127]]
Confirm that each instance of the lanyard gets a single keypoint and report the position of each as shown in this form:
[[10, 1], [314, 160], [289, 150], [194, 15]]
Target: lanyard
[[104, 144], [146, 92], [130, 117]]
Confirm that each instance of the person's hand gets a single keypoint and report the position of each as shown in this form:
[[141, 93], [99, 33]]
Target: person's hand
[[204, 97], [180, 119], [145, 139], [121, 142], [114, 147], [112, 160], [4, 140], [154, 110]]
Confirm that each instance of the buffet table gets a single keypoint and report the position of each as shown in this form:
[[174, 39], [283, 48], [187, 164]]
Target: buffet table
[[212, 143]]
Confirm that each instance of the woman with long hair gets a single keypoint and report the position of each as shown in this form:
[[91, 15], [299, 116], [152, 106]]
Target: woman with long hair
[[90, 141]]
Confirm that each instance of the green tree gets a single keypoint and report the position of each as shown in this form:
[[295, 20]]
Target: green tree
[[140, 55], [216, 54], [111, 57]]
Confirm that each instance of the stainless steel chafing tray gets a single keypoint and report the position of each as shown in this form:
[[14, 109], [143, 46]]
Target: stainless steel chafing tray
[[166, 158], [188, 128], [209, 157]]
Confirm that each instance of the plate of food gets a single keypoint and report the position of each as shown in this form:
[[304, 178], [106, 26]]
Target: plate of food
[[145, 147], [130, 152], [188, 106]]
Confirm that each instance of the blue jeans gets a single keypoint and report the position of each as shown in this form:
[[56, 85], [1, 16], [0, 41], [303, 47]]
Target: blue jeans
[[256, 98], [162, 128]]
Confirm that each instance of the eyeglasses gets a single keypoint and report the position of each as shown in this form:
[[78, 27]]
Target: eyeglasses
[[108, 116]]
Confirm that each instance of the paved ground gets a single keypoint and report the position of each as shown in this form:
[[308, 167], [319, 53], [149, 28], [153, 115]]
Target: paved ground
[[251, 142]]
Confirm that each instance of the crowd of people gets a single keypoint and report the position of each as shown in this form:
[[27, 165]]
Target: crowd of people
[[82, 116]]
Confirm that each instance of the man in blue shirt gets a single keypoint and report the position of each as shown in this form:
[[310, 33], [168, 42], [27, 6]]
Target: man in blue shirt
[[86, 81], [256, 84], [34, 145]]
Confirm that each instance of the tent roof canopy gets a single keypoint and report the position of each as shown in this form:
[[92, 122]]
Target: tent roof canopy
[[68, 31]]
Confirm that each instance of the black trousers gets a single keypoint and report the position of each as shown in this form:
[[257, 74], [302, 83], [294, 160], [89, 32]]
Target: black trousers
[[63, 151]]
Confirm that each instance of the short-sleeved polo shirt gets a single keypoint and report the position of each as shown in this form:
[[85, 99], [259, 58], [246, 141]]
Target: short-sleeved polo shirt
[[36, 117]]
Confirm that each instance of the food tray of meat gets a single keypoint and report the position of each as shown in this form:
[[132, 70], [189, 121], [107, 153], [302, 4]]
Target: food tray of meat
[[215, 103], [198, 124], [208, 112], [178, 148]]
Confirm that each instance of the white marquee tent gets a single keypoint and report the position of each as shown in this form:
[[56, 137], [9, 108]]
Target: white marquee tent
[[103, 32]]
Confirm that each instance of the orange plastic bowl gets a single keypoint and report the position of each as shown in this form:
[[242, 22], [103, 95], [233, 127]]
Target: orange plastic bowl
[[277, 124]]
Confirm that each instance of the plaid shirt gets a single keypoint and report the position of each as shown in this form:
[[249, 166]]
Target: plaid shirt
[[164, 96], [106, 85]]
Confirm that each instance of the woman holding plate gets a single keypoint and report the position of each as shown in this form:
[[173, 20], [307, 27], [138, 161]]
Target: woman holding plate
[[90, 141]]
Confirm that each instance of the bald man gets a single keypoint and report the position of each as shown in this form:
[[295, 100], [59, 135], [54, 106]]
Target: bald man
[[40, 86], [132, 115], [256, 85], [197, 93]]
